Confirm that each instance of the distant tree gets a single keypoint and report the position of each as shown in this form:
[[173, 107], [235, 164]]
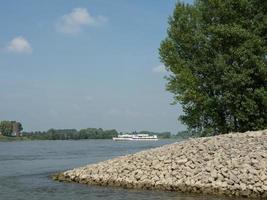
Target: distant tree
[[162, 135], [186, 134], [216, 53], [6, 128], [72, 134], [17, 127]]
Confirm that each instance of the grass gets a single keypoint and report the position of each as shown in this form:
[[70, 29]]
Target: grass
[[10, 138]]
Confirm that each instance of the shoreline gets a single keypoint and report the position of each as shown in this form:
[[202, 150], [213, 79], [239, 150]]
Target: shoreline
[[31, 140], [232, 165], [24, 138]]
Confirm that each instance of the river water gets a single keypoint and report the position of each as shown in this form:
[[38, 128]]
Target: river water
[[25, 167]]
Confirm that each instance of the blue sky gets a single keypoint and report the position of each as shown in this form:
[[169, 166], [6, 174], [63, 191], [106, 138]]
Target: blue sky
[[78, 64]]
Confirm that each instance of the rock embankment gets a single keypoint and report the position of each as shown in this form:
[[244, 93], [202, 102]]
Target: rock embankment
[[232, 164]]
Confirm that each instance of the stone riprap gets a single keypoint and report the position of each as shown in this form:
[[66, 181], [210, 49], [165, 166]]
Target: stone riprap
[[234, 164]]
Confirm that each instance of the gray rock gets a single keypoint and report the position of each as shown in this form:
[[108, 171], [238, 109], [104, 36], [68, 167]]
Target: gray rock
[[230, 164]]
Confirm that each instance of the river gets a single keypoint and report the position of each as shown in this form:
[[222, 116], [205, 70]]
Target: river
[[25, 167]]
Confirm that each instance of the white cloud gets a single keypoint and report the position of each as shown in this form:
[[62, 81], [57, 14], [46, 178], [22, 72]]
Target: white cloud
[[159, 69], [19, 45], [77, 19]]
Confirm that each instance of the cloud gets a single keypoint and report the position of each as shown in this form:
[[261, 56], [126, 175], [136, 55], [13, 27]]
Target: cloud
[[19, 45], [78, 18], [159, 69]]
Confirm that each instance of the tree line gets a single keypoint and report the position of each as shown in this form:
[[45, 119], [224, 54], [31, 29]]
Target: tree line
[[14, 128], [88, 133], [71, 134]]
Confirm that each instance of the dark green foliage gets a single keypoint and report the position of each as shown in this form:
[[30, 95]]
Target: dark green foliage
[[89, 133], [162, 135], [186, 134], [6, 128], [216, 52], [72, 134], [93, 133]]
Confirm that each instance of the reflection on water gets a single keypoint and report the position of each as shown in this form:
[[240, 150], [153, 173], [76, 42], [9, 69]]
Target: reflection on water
[[25, 168]]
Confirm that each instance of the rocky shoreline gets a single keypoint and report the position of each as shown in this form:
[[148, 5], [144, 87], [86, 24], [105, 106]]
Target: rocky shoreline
[[233, 164]]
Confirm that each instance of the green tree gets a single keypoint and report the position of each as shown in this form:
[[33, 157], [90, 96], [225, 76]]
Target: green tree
[[216, 53], [6, 128]]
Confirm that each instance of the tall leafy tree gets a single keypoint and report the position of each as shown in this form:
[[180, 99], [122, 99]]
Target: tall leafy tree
[[216, 52], [6, 128]]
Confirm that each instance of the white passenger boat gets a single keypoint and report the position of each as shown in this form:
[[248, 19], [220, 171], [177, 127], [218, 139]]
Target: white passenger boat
[[137, 137]]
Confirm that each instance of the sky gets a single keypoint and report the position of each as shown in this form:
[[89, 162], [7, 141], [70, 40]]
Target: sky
[[79, 64]]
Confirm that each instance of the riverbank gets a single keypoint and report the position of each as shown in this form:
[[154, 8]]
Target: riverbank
[[10, 139], [232, 165], [25, 138]]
